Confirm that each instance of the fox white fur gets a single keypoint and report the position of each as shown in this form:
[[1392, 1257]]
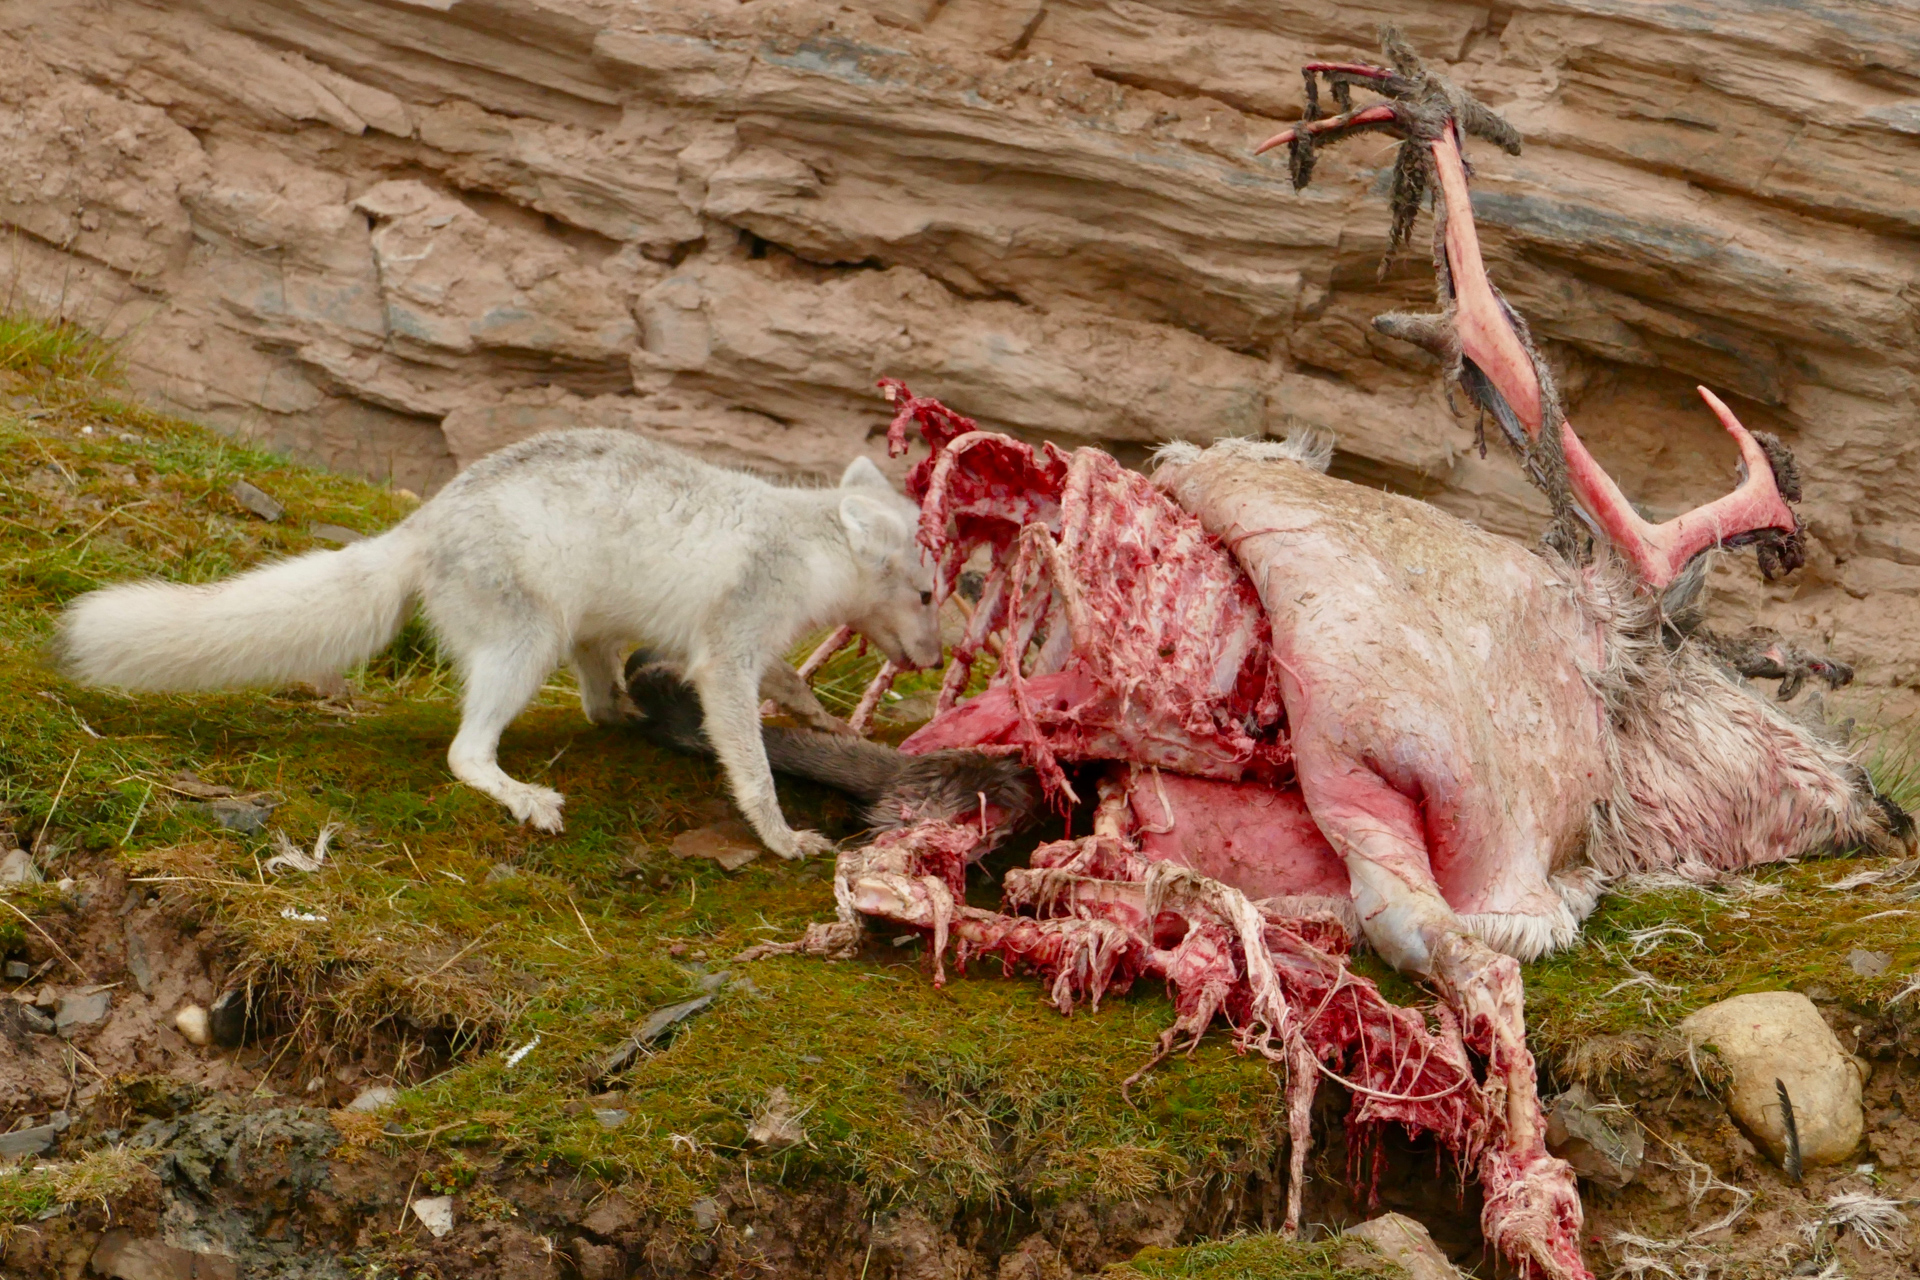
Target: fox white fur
[[574, 546]]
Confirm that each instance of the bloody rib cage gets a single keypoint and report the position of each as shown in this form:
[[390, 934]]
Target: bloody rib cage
[[1310, 709]]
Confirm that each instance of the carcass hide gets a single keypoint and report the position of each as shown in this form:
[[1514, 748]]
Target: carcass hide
[[1311, 709]]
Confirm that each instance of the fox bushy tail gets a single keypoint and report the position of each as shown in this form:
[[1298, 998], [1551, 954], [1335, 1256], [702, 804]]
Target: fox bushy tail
[[296, 620]]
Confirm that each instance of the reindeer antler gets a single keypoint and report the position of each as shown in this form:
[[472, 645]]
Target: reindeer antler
[[1488, 351]]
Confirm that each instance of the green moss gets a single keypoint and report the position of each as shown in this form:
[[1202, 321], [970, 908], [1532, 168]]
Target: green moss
[[28, 1192], [1258, 1257], [1647, 959]]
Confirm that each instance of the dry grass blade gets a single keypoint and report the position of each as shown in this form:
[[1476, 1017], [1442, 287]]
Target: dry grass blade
[[1873, 1218]]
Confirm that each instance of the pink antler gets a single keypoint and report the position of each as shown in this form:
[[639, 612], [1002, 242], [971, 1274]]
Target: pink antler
[[1484, 329], [1658, 552]]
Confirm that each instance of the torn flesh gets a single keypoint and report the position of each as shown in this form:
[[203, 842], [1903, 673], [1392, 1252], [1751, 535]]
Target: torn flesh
[[1091, 916], [1137, 636]]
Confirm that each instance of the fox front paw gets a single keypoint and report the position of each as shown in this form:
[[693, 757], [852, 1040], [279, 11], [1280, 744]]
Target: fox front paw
[[539, 808], [801, 844]]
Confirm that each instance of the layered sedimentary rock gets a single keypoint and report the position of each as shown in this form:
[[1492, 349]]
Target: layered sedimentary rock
[[391, 235]]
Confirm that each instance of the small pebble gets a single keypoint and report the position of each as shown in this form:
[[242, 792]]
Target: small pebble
[[256, 500], [1868, 964], [16, 867], [191, 1022], [435, 1214]]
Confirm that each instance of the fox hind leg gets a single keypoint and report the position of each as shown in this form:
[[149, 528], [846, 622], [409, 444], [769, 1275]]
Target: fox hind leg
[[500, 679]]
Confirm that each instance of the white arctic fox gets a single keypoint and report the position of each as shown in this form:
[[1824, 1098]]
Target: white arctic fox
[[572, 546]]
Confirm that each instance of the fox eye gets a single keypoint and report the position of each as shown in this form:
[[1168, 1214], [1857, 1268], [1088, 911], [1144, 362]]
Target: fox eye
[[926, 597]]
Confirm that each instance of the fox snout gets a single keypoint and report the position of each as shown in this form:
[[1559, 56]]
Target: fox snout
[[923, 650], [909, 643]]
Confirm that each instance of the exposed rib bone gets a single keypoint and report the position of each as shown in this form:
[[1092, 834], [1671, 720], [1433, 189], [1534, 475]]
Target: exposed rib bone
[[828, 647], [861, 721], [1281, 982]]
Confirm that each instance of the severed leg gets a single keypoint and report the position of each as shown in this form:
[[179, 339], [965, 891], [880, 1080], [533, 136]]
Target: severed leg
[[1532, 1211]]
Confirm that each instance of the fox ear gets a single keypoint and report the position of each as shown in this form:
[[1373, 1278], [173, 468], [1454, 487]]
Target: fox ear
[[872, 530], [862, 474]]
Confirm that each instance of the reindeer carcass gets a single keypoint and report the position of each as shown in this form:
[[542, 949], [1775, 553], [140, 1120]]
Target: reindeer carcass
[[1310, 709]]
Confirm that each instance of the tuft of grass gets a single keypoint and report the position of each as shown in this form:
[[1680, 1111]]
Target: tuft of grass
[[1259, 1257], [55, 350], [1892, 757], [1653, 953], [29, 1191]]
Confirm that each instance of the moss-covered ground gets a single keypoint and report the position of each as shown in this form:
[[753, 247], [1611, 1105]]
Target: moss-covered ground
[[499, 965]]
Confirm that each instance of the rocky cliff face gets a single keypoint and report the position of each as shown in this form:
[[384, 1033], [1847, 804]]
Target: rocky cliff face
[[391, 235]]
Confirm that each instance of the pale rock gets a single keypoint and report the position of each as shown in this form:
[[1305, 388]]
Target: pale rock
[[338, 534], [82, 1010], [1780, 1035], [435, 1214], [1405, 1243], [192, 1023], [374, 1099], [776, 1122], [1868, 964], [139, 963], [16, 867], [34, 1141], [122, 1255], [1603, 1144]]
